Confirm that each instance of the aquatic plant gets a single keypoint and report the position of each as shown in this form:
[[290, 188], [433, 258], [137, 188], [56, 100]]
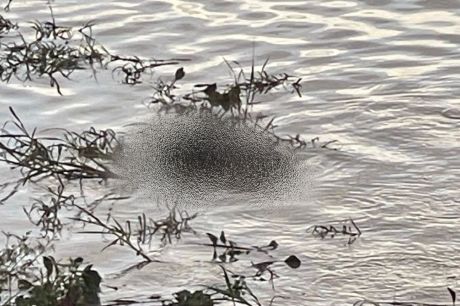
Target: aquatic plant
[[45, 215], [347, 228], [231, 252], [55, 52], [18, 259], [62, 284], [234, 101], [136, 234], [73, 156], [235, 289], [58, 51], [237, 97], [56, 284], [6, 26]]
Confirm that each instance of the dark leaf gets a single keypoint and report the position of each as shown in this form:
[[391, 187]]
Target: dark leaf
[[48, 262], [24, 285], [110, 244], [273, 244], [293, 262], [223, 258], [227, 280], [212, 238], [262, 266], [180, 73], [92, 281], [78, 261], [453, 295], [222, 237], [182, 296]]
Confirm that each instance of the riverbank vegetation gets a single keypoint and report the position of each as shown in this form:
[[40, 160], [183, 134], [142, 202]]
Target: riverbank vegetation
[[29, 272]]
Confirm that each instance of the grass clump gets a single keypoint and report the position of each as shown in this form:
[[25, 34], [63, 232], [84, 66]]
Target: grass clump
[[55, 51], [18, 259], [61, 284], [236, 98], [72, 156], [23, 282], [231, 251], [234, 101]]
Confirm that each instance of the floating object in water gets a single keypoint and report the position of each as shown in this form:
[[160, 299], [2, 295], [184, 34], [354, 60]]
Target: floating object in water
[[201, 154]]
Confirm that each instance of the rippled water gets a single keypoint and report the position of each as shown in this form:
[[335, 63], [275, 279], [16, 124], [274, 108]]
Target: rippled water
[[382, 77]]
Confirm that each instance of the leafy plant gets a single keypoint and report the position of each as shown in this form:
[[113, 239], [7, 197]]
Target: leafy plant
[[73, 156], [61, 284], [197, 298], [18, 261], [58, 51], [136, 235]]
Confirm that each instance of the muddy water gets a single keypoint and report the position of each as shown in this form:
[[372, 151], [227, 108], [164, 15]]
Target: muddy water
[[382, 77]]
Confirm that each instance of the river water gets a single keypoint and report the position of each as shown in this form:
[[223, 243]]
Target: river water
[[380, 77]]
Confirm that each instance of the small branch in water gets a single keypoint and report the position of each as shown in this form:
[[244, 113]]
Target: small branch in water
[[73, 156], [323, 231]]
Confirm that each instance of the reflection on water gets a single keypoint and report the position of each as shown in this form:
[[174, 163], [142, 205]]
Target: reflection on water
[[379, 76]]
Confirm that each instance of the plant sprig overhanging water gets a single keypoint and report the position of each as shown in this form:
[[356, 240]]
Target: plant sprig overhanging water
[[235, 289], [347, 228], [233, 101], [236, 98], [52, 52], [46, 215], [46, 211], [231, 252], [138, 233], [6, 26], [72, 157], [56, 51]]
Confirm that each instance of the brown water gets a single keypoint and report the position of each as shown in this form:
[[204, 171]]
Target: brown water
[[382, 77]]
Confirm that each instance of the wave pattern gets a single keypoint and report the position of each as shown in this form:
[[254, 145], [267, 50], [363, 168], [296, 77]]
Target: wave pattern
[[382, 77]]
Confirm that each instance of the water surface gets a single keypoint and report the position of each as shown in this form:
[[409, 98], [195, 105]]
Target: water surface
[[381, 77]]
